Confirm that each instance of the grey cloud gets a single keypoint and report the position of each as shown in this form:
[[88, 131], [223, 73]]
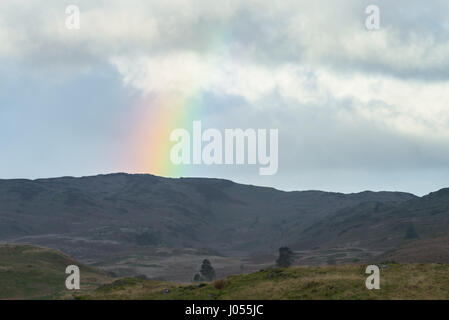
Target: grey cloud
[[414, 37], [317, 139]]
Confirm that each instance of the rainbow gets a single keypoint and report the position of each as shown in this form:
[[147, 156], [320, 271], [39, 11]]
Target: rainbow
[[157, 118], [160, 115]]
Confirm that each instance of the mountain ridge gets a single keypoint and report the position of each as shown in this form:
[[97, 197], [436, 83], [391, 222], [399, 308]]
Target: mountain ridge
[[93, 217]]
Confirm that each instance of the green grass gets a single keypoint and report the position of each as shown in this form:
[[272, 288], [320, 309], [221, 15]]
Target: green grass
[[412, 281], [29, 272]]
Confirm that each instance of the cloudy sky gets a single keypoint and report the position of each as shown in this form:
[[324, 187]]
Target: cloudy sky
[[355, 109]]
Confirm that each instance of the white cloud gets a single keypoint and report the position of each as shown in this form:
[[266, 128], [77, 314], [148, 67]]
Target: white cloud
[[411, 107], [314, 55], [185, 46], [300, 32]]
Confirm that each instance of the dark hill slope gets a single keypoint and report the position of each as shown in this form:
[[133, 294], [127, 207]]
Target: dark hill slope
[[382, 225], [92, 215]]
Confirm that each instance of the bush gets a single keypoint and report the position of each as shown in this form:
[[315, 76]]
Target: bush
[[219, 284], [410, 232], [207, 271], [146, 238], [286, 257]]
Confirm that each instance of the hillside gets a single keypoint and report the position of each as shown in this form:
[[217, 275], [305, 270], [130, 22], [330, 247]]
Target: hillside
[[28, 272], [432, 250], [413, 281], [162, 228], [90, 216], [383, 226]]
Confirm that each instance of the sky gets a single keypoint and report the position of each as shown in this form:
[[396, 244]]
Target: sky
[[355, 109]]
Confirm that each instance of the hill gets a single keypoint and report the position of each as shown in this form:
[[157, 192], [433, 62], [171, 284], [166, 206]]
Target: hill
[[89, 217], [413, 281], [383, 226], [163, 228], [29, 272], [432, 250]]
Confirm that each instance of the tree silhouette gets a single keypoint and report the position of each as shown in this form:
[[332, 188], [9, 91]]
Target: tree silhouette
[[411, 232], [286, 257], [207, 272]]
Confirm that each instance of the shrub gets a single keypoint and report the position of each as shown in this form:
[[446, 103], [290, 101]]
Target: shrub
[[207, 271], [286, 257], [219, 284], [410, 232]]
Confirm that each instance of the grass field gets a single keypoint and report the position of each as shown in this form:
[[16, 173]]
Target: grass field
[[29, 272], [412, 281]]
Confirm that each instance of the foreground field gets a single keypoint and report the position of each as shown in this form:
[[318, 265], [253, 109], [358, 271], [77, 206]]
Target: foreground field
[[29, 272], [413, 281]]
